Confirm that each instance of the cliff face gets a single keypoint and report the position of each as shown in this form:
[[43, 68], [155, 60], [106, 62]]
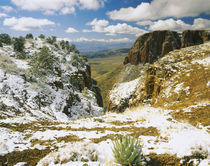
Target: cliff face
[[66, 93], [178, 80], [151, 46], [194, 37]]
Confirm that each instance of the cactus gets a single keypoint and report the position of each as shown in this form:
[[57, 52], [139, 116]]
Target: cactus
[[127, 151]]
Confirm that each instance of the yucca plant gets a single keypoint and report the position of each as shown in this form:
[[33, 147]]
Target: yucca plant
[[127, 151]]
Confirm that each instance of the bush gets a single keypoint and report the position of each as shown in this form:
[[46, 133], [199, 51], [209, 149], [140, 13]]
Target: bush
[[127, 151], [19, 44], [43, 62], [1, 45], [5, 38], [51, 40], [41, 36], [78, 61], [29, 36]]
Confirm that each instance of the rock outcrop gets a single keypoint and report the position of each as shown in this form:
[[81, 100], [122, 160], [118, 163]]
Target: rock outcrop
[[194, 37], [149, 47], [179, 79], [66, 93]]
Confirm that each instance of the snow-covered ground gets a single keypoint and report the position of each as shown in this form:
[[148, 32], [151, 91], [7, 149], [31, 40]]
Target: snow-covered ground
[[90, 140]]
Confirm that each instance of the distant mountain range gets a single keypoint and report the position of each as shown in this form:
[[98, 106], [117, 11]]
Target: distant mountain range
[[92, 47], [109, 53]]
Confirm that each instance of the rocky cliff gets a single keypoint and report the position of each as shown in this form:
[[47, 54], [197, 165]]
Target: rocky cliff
[[178, 80], [194, 37], [68, 92], [151, 46]]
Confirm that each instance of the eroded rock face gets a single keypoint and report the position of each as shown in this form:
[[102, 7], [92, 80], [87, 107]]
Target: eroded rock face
[[194, 37], [151, 46], [179, 79]]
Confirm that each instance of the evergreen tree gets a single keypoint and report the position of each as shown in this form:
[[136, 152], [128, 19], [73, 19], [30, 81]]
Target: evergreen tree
[[19, 44], [42, 62], [41, 36], [5, 38], [29, 36]]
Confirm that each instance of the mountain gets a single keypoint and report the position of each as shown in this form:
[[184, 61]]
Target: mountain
[[109, 53], [149, 47], [91, 47], [50, 114]]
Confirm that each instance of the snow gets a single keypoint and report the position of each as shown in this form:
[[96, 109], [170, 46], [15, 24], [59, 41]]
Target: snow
[[22, 64], [123, 91], [204, 62]]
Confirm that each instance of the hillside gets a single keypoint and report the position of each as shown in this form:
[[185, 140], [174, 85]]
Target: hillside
[[162, 104]]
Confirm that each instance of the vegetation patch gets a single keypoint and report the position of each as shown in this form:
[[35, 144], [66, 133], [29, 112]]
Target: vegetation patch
[[69, 138], [195, 116], [30, 156]]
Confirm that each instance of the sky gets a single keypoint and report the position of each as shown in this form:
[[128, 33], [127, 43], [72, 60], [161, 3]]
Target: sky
[[102, 21]]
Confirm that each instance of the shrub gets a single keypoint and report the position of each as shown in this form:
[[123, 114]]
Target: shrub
[[1, 45], [42, 62], [19, 44], [5, 38], [127, 151], [78, 61], [41, 36], [29, 36]]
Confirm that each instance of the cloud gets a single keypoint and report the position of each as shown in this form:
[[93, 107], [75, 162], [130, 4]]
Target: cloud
[[161, 9], [111, 30], [59, 6], [97, 25], [123, 29], [3, 15], [119, 40], [71, 30], [6, 8], [179, 25], [91, 4], [26, 23], [201, 23], [169, 24], [143, 23]]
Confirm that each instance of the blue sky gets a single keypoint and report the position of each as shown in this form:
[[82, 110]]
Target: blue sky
[[105, 21]]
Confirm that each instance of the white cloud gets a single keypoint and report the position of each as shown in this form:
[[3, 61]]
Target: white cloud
[[119, 40], [71, 30], [3, 15], [201, 23], [143, 23], [91, 4], [179, 25], [111, 30], [169, 24], [26, 23], [161, 9], [97, 25], [123, 29], [60, 6], [6, 8]]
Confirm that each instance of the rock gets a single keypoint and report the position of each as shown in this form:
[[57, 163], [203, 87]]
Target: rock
[[151, 46], [194, 37], [179, 79]]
